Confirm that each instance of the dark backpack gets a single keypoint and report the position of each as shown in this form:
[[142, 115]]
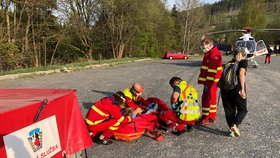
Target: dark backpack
[[229, 80]]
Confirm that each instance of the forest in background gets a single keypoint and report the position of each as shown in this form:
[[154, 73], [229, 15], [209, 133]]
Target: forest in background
[[37, 33]]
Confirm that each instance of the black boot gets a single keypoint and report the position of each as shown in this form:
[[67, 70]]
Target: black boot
[[178, 133], [189, 128], [105, 141]]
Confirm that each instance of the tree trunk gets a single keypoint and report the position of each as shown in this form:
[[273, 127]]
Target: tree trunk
[[36, 58], [45, 52], [54, 51], [18, 24], [121, 49], [15, 24], [35, 50], [185, 35], [90, 51], [186, 27], [57, 44], [113, 49], [26, 41], [8, 20]]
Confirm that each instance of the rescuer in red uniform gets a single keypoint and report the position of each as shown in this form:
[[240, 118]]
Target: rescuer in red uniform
[[105, 116], [268, 56], [210, 73], [134, 99]]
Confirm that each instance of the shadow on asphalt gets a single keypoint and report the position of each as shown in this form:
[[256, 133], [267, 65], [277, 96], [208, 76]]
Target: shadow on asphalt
[[87, 105], [106, 93], [212, 130], [189, 63]]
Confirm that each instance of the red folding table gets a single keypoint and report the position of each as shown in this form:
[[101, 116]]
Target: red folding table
[[41, 123]]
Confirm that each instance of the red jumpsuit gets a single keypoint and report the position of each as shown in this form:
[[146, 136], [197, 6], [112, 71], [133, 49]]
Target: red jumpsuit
[[132, 100], [162, 106], [210, 73], [105, 116], [170, 115]]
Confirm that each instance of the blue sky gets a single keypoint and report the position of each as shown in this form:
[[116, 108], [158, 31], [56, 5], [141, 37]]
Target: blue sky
[[210, 1], [172, 2]]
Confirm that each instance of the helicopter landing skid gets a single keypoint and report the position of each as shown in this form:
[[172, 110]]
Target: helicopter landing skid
[[256, 65]]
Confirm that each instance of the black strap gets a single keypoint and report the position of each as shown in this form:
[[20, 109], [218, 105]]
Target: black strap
[[44, 103]]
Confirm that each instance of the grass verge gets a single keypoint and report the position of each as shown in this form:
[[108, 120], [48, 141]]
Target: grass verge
[[72, 66]]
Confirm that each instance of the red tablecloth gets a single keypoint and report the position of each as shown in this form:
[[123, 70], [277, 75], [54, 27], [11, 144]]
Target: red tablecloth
[[18, 108]]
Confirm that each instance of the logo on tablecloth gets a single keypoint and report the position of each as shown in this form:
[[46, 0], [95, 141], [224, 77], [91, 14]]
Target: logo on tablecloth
[[35, 139], [38, 140]]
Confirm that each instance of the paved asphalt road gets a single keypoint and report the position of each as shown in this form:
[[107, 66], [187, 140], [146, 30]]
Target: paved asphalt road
[[260, 135]]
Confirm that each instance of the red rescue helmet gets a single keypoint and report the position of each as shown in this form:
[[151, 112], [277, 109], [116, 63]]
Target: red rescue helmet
[[137, 88]]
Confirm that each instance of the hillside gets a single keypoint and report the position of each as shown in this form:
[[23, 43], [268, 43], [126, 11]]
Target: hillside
[[231, 6], [236, 14]]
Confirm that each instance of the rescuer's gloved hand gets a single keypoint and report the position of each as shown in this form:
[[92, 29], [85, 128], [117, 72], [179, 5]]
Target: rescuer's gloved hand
[[174, 107], [133, 116]]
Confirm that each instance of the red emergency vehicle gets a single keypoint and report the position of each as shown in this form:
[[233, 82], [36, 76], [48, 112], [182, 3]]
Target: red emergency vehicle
[[176, 55]]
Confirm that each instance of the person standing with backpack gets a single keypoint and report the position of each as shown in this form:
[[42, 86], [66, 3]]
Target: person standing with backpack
[[210, 73], [235, 98]]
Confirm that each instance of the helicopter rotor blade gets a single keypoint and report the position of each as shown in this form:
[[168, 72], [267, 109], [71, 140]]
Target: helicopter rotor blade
[[224, 32], [267, 30], [244, 31]]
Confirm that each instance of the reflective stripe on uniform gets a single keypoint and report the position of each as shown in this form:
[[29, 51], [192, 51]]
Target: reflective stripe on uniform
[[216, 80], [99, 111], [215, 70], [204, 67], [118, 121], [212, 70], [213, 106], [93, 123], [113, 128], [205, 113], [206, 109], [210, 78], [129, 118], [89, 122], [189, 111], [201, 79], [121, 119], [185, 91]]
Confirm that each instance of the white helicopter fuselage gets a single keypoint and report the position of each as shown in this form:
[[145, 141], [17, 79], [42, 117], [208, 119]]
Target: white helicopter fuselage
[[254, 48], [247, 41]]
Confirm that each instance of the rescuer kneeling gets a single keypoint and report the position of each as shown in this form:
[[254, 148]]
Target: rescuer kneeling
[[105, 117]]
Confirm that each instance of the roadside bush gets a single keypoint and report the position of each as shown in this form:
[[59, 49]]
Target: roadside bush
[[9, 56]]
